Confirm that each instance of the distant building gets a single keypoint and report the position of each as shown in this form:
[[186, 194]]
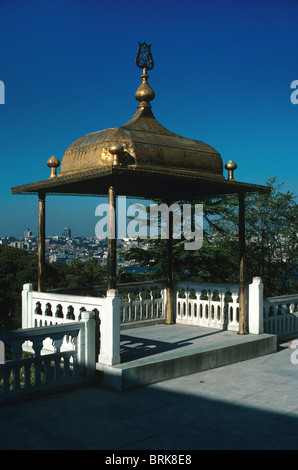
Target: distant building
[[66, 232], [54, 258], [28, 233]]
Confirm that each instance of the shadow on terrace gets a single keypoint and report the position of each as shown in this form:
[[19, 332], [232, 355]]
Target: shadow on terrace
[[251, 405]]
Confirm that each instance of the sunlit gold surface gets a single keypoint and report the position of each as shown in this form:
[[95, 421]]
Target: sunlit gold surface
[[231, 167], [147, 143], [53, 163]]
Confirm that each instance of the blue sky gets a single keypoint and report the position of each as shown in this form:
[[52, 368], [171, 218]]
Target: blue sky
[[223, 71]]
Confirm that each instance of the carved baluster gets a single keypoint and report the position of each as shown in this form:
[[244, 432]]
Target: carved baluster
[[147, 307], [209, 305], [222, 306], [66, 374], [57, 343], [157, 303], [235, 304], [152, 303], [6, 377], [74, 356], [142, 297], [16, 349], [17, 353], [135, 307], [195, 306], [163, 301], [187, 303], [37, 347], [130, 305], [70, 368], [45, 370], [26, 366]]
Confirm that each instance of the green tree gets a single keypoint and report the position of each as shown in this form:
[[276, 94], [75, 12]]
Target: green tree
[[17, 267], [84, 273], [271, 239]]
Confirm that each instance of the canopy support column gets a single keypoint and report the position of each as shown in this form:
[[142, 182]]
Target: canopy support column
[[170, 287], [41, 241], [112, 239], [242, 274]]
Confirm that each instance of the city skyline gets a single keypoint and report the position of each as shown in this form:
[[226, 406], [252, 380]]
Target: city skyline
[[223, 74], [64, 248]]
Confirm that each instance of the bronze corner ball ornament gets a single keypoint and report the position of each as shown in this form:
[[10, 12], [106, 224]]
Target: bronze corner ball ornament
[[120, 156], [53, 163], [231, 167]]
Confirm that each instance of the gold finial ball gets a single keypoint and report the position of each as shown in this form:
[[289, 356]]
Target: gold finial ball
[[53, 163], [231, 167], [116, 149], [144, 93]]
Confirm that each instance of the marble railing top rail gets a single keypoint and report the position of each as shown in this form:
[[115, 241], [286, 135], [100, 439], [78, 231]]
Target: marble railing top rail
[[43, 332], [122, 287]]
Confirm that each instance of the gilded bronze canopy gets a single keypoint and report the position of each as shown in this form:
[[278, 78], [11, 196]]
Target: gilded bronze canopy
[[141, 159]]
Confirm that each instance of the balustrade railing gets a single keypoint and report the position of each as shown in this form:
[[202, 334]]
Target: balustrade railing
[[211, 305], [51, 308], [281, 315], [59, 343], [200, 304], [140, 301], [40, 370], [214, 305], [208, 305]]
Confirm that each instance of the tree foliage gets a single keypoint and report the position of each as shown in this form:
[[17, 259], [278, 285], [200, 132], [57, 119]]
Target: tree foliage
[[272, 238], [271, 242], [18, 267]]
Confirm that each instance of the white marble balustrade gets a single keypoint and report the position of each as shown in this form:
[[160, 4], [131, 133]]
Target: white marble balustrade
[[48, 308], [208, 305], [281, 316], [41, 370], [142, 301]]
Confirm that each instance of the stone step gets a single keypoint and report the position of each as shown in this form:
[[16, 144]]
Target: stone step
[[198, 355]]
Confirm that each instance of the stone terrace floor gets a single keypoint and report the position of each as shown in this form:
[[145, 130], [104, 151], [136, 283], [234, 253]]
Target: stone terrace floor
[[247, 405]]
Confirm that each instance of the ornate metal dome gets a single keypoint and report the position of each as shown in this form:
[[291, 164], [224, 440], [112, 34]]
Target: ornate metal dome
[[142, 158], [141, 142]]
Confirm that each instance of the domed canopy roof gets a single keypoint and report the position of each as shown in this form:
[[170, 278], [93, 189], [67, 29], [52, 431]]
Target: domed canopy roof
[[142, 158], [142, 142]]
